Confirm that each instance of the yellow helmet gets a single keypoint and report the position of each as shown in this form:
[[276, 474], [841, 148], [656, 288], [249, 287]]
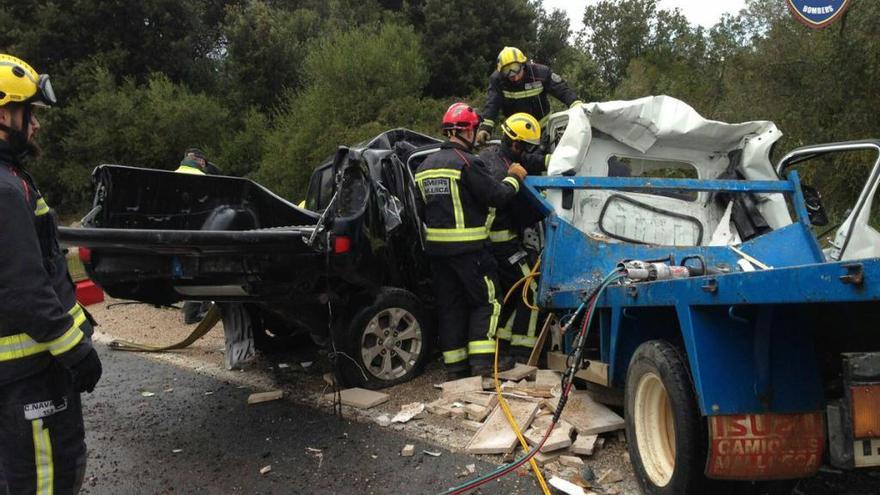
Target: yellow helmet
[[20, 83], [509, 55], [522, 127]]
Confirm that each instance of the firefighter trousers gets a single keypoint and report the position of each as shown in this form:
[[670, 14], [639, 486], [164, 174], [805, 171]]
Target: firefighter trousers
[[467, 304], [42, 438], [518, 322]]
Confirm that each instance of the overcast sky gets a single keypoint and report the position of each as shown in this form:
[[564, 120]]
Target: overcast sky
[[703, 12]]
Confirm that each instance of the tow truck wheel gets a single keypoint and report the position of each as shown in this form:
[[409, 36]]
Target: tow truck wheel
[[667, 433], [386, 342]]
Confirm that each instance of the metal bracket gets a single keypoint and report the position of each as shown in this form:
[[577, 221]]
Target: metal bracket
[[632, 291], [855, 274], [711, 286]]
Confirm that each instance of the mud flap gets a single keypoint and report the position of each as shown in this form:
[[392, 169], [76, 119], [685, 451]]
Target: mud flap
[[239, 332]]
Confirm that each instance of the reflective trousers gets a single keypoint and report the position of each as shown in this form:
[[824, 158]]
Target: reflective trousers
[[42, 438], [518, 322], [468, 308]]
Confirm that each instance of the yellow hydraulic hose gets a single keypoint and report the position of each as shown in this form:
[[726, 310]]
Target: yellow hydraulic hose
[[504, 407], [526, 281]]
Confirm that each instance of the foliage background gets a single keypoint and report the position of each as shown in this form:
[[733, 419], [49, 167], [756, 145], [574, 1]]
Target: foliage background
[[270, 87]]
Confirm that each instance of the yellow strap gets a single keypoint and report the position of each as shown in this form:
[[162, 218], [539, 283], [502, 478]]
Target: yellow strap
[[455, 355], [526, 93], [42, 208], [456, 235], [513, 182], [186, 169], [439, 173], [43, 458], [481, 347], [502, 235]]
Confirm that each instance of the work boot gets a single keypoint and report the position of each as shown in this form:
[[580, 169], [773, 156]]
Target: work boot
[[457, 371], [488, 369]]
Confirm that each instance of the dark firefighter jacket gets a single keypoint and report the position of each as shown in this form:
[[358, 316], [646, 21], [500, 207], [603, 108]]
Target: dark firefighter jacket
[[457, 191], [40, 319], [528, 95], [507, 221]]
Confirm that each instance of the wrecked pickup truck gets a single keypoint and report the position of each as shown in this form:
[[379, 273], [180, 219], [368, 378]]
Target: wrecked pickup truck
[[744, 344], [348, 269]]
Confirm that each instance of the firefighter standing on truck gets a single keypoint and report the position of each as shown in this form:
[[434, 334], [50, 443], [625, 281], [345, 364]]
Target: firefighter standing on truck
[[46, 355], [520, 85], [457, 191], [520, 140]]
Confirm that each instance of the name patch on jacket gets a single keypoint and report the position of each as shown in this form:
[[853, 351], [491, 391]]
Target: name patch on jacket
[[435, 186], [44, 409]]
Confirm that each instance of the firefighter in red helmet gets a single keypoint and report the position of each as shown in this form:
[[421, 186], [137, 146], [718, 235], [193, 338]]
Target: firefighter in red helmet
[[457, 192]]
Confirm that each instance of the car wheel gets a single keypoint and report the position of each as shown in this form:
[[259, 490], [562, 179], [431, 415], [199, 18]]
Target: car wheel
[[385, 343], [667, 434]]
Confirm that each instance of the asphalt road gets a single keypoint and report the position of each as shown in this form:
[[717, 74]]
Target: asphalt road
[[223, 443]]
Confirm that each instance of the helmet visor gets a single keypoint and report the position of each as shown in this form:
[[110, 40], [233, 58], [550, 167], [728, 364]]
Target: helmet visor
[[511, 70], [45, 94]]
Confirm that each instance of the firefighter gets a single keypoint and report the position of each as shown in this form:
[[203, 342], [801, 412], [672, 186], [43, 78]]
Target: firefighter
[[46, 355], [520, 85], [520, 140], [195, 163], [456, 193]]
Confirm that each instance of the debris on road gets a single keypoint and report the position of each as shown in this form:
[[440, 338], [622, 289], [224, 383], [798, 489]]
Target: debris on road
[[359, 398], [471, 425], [383, 420], [432, 454], [146, 393], [408, 450], [567, 487], [571, 461], [496, 436], [176, 451], [519, 372], [588, 416], [264, 397], [408, 412], [266, 469], [456, 388], [560, 437], [610, 476], [471, 468], [317, 454], [584, 444]]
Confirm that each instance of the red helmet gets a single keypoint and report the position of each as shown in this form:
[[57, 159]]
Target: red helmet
[[460, 116]]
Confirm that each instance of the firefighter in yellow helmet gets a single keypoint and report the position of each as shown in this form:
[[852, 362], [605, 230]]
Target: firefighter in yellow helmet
[[46, 354], [520, 140], [520, 85]]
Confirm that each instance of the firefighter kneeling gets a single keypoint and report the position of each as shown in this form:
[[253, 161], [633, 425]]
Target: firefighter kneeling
[[457, 192]]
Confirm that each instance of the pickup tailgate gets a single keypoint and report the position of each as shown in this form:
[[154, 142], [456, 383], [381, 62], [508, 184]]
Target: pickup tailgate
[[160, 237]]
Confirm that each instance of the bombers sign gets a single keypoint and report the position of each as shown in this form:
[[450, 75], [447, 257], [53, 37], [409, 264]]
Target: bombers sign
[[817, 14]]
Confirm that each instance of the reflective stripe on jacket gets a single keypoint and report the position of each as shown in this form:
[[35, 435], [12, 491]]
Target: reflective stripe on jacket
[[39, 315], [457, 191]]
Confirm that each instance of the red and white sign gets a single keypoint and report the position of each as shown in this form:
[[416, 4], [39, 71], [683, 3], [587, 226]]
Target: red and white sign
[[765, 446]]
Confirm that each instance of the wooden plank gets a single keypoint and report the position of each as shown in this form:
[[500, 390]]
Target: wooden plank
[[496, 436], [360, 398], [455, 388], [519, 372], [588, 416], [482, 399], [542, 338], [584, 444], [597, 372], [559, 439], [265, 396]]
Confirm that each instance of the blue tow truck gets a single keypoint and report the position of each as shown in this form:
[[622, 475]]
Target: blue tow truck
[[744, 350]]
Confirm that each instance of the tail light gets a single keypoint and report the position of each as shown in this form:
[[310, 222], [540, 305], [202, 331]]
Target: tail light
[[341, 244], [865, 410], [85, 255]]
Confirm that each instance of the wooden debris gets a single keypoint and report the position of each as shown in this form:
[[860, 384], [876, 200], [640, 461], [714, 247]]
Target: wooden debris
[[538, 392], [565, 486], [542, 339], [408, 450], [471, 425], [477, 412], [459, 412], [265, 396], [519, 372], [360, 398], [584, 444], [482, 399], [496, 436], [545, 458], [596, 372], [571, 461], [266, 469], [439, 407], [559, 439], [462, 387], [588, 416], [547, 378], [408, 412]]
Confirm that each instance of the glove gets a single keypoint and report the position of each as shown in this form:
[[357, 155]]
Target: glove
[[87, 372], [517, 170], [482, 136]]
